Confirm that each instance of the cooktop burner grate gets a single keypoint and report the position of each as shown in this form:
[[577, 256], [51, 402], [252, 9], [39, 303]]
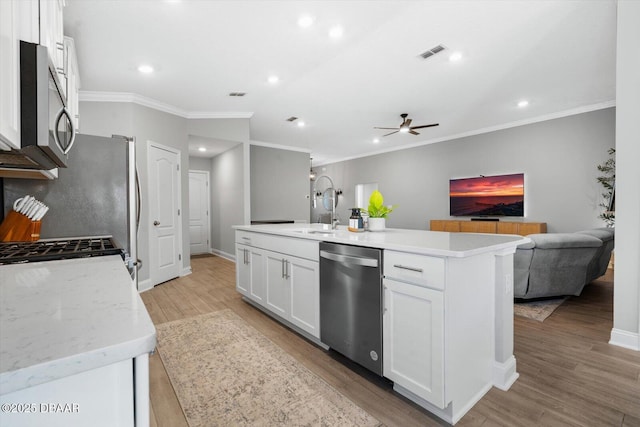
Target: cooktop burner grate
[[57, 249]]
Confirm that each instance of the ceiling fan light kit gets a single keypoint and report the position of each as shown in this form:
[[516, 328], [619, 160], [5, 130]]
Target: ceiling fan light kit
[[405, 126]]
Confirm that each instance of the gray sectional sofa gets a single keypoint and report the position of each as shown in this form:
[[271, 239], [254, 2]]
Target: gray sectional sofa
[[558, 264]]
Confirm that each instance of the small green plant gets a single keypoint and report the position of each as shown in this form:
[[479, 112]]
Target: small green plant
[[608, 180], [377, 209]]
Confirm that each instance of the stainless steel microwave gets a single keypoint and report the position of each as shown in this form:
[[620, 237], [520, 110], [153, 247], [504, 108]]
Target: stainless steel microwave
[[46, 128]]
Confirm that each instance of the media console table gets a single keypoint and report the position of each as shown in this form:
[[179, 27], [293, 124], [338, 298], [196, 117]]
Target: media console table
[[496, 227]]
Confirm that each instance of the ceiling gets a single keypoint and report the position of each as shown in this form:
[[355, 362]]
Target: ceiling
[[559, 55]]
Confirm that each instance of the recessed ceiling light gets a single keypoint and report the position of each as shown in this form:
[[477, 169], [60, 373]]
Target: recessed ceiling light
[[305, 21], [202, 149], [455, 56], [273, 79], [523, 103], [336, 32], [376, 140], [301, 124], [145, 69]]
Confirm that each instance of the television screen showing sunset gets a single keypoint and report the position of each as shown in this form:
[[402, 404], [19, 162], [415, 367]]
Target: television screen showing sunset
[[500, 195]]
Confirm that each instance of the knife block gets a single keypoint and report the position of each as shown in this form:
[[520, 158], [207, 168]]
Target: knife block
[[17, 227]]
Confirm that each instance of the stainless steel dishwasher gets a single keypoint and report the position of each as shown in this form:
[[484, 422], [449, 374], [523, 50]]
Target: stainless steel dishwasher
[[351, 302]]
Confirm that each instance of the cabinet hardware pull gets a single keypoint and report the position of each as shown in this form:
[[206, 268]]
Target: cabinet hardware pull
[[282, 268], [286, 269], [404, 267]]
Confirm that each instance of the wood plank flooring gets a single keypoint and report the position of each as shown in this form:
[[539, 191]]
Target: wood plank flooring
[[569, 375]]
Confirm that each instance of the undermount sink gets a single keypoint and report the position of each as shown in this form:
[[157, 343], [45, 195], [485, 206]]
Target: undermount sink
[[321, 232]]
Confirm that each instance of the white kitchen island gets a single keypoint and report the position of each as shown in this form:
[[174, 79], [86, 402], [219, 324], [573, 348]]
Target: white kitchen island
[[447, 303], [75, 339]]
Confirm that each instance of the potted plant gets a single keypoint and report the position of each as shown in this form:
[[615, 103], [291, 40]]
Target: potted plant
[[378, 211], [608, 180]]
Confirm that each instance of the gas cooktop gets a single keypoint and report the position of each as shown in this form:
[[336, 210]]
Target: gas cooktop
[[57, 249]]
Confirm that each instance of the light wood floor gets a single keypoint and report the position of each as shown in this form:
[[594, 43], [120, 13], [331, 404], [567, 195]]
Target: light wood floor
[[569, 375]]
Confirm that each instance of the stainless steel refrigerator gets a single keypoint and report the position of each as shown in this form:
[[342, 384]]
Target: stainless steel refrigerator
[[96, 195]]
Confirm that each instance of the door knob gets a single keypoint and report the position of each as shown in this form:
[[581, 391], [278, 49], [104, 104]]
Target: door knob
[[156, 222]]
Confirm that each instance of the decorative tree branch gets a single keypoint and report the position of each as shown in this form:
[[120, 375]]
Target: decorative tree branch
[[608, 180]]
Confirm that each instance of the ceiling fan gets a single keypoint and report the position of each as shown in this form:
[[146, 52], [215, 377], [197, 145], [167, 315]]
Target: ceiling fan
[[405, 126]]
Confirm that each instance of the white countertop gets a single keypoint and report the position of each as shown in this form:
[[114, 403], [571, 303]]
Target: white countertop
[[59, 318], [435, 243]]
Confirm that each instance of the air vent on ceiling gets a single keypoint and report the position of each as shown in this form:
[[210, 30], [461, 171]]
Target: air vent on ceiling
[[237, 94], [432, 51], [292, 119]]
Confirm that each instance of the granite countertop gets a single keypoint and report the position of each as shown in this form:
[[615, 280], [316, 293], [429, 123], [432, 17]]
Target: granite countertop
[[59, 318], [435, 243]]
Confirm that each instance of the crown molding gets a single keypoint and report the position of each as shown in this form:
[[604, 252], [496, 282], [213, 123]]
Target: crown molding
[[280, 146], [532, 120], [97, 96]]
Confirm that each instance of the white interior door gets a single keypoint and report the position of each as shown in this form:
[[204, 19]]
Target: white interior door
[[164, 213], [199, 211]]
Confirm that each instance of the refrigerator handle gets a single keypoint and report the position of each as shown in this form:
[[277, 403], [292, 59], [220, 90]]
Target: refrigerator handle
[[139, 203]]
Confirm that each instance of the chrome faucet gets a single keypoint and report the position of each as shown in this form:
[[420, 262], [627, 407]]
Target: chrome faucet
[[334, 220]]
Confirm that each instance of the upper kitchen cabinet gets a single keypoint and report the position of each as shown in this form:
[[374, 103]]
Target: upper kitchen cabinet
[[51, 33], [73, 80], [18, 21]]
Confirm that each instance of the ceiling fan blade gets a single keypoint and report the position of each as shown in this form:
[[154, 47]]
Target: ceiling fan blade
[[424, 126], [413, 132], [386, 128], [407, 123], [390, 133]]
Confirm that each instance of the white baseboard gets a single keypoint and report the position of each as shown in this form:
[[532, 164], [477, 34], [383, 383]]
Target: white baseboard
[[223, 254], [504, 374], [626, 339], [445, 414], [185, 271], [144, 285]]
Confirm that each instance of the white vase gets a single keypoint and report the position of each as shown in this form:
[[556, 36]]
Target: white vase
[[377, 224]]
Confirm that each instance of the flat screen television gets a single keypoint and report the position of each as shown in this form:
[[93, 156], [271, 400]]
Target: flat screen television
[[498, 195]]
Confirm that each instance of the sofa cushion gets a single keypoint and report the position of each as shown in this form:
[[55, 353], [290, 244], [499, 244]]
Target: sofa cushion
[[529, 245], [564, 240], [604, 234]]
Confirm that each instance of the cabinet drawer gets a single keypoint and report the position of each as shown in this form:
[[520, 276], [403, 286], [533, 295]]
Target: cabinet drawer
[[245, 237], [303, 248], [419, 269]]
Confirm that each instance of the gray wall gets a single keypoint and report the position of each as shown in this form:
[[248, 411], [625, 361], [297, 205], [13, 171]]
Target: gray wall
[[558, 157], [279, 184], [227, 202], [626, 304], [145, 124], [200, 163]]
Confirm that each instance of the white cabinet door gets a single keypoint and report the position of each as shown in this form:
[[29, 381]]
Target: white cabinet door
[[258, 289], [305, 294], [413, 339], [51, 34], [18, 21], [101, 397], [278, 288], [250, 273], [243, 270]]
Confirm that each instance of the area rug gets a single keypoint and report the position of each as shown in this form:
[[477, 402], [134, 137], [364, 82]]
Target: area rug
[[226, 373], [537, 310]]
